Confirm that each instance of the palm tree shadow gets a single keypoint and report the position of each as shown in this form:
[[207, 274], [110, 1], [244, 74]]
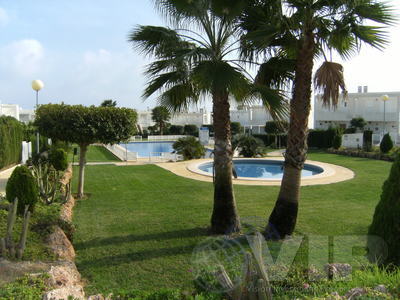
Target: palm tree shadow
[[115, 240]]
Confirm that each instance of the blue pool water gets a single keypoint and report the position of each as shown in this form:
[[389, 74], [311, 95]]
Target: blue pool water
[[145, 148], [262, 169]]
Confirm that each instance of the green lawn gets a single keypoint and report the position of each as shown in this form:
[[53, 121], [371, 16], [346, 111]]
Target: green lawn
[[96, 154], [140, 225]]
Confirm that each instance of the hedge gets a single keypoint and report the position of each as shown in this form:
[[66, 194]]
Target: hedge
[[321, 138], [11, 137], [270, 139]]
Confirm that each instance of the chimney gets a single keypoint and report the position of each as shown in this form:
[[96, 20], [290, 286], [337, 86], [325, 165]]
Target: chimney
[[365, 88], [359, 89]]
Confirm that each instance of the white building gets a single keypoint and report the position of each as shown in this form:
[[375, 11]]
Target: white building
[[11, 110], [202, 117], [15, 111], [252, 118], [380, 115]]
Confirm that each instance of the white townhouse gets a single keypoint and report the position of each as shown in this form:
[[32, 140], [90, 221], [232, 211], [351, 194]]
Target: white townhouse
[[380, 110]]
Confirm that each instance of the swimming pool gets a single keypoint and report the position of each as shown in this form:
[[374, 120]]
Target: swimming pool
[[261, 169], [145, 149]]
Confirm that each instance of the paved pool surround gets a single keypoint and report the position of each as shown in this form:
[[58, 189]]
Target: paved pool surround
[[331, 174]]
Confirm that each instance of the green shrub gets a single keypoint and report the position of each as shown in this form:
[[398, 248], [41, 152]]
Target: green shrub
[[59, 159], [175, 130], [191, 130], [337, 141], [249, 145], [367, 140], [236, 128], [22, 185], [322, 138], [386, 143], [350, 130], [386, 220], [11, 137], [189, 147], [27, 287]]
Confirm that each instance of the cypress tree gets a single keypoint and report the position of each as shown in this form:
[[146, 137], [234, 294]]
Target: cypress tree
[[386, 222]]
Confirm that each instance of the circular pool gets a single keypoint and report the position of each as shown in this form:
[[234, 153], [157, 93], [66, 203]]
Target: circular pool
[[259, 169]]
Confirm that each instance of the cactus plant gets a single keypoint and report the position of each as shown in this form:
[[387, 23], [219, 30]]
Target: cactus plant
[[7, 243], [254, 284]]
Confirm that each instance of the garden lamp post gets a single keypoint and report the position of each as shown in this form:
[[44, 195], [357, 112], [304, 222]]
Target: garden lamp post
[[384, 99], [37, 85]]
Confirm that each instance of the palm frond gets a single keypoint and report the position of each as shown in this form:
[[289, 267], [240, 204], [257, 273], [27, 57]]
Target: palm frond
[[156, 40], [328, 79], [277, 72], [179, 97], [274, 101]]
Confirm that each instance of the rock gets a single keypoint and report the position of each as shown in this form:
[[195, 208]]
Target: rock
[[100, 297], [66, 280], [71, 292], [60, 245], [64, 274], [381, 288], [335, 295], [337, 270], [356, 292], [315, 274]]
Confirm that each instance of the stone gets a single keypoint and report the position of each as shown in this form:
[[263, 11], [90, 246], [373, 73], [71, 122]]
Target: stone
[[337, 270], [70, 292], [381, 288], [355, 292], [66, 281], [60, 245]]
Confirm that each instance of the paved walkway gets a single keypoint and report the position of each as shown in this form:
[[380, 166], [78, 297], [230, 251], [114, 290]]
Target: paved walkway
[[4, 175], [331, 174]]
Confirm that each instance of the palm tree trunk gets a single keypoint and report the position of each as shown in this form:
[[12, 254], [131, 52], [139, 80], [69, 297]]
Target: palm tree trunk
[[82, 163], [225, 219], [282, 220]]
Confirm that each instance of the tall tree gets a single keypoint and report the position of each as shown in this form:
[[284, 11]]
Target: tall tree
[[108, 103], [160, 115], [195, 59], [84, 126], [300, 31]]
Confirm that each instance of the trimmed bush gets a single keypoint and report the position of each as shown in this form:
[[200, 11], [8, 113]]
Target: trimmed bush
[[236, 128], [337, 141], [386, 221], [249, 145], [175, 130], [367, 140], [322, 138], [350, 130], [189, 147], [386, 143], [59, 159], [22, 185], [11, 137], [269, 139], [191, 130]]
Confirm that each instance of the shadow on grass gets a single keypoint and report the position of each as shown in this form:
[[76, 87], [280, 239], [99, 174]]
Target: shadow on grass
[[114, 260], [115, 240]]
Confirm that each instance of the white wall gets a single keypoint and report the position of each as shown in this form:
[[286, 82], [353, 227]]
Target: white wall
[[11, 110]]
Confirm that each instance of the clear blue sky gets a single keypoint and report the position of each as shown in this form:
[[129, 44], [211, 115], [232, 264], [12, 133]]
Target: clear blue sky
[[79, 49]]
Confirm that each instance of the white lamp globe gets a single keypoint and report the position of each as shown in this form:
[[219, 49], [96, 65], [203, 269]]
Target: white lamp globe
[[37, 85], [385, 97]]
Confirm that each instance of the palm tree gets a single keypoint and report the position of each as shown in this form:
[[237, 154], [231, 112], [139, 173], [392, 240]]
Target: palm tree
[[160, 115], [302, 31], [194, 60]]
